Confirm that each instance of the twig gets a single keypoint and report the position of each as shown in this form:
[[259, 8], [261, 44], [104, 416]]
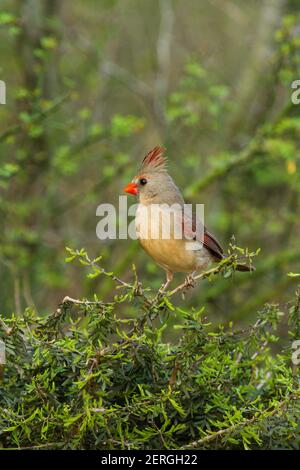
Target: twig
[[249, 153], [112, 276], [17, 296], [137, 86], [68, 299], [34, 118], [221, 432], [39, 446], [245, 155], [204, 275], [163, 53], [8, 331], [154, 308]]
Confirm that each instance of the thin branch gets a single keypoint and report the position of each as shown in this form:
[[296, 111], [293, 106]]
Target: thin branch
[[111, 275], [8, 330], [17, 295], [246, 155], [101, 270], [249, 153], [15, 129], [39, 446], [136, 85], [163, 49], [185, 285], [68, 300], [234, 12], [273, 411]]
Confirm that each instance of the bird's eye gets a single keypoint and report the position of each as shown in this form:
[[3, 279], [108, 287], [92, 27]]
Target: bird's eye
[[143, 181]]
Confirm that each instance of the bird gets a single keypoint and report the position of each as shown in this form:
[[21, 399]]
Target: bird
[[196, 248]]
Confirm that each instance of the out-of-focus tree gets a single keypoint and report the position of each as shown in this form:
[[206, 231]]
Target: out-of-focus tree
[[92, 87]]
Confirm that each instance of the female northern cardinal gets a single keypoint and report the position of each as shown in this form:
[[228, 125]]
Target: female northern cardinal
[[155, 189]]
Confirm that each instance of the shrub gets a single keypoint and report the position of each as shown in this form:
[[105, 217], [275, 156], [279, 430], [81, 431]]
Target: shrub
[[88, 377]]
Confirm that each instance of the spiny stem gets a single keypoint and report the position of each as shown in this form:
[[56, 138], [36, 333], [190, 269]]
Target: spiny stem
[[264, 415], [203, 275], [68, 299]]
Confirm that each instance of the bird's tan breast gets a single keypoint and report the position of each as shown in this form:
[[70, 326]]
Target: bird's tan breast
[[170, 253]]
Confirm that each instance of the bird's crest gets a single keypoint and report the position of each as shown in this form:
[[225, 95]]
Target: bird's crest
[[154, 160]]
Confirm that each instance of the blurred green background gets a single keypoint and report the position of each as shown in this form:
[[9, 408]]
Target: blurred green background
[[93, 85]]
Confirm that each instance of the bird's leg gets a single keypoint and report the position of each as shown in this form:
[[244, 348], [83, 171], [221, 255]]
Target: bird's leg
[[189, 280], [167, 283]]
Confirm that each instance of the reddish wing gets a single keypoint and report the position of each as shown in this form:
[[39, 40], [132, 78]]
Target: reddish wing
[[203, 236], [206, 238]]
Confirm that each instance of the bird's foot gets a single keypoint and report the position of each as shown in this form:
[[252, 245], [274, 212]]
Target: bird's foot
[[163, 288], [189, 282]]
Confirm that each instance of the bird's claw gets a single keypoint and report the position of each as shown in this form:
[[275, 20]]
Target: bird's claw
[[189, 281], [162, 289]]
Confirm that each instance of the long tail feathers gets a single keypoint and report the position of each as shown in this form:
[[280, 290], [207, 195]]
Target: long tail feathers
[[244, 268]]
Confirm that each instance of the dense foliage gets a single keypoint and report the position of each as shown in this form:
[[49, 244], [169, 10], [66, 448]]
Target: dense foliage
[[89, 377]]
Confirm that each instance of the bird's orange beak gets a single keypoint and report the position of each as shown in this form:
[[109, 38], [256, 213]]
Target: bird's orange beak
[[131, 188]]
